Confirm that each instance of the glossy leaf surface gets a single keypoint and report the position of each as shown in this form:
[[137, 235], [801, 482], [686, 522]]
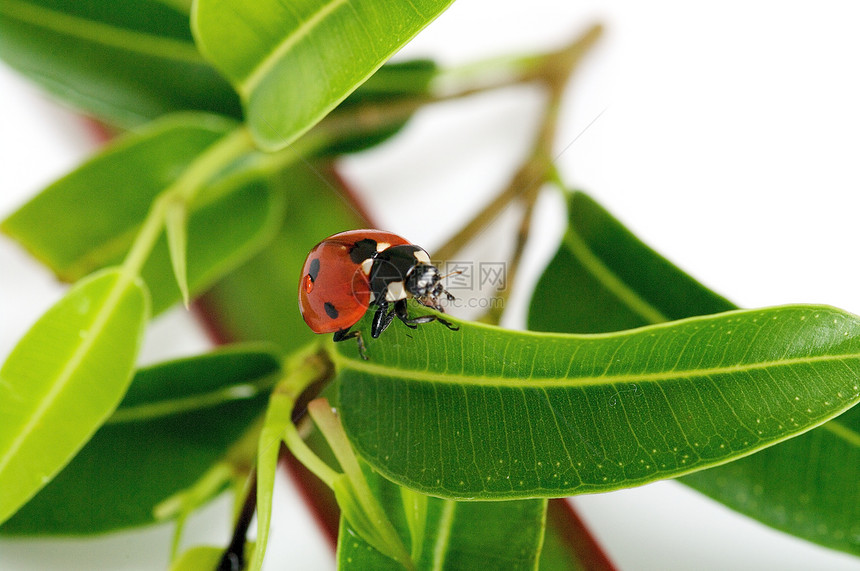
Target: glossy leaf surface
[[292, 64], [488, 413], [124, 62], [64, 378], [457, 535], [805, 486], [177, 419]]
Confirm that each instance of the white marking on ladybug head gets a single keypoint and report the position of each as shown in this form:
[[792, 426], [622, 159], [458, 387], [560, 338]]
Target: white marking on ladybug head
[[396, 291], [422, 256], [366, 265], [380, 246]]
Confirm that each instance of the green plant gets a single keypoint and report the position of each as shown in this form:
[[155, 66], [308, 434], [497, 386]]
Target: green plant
[[222, 187]]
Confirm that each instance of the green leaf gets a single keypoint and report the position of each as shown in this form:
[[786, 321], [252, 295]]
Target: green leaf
[[278, 416], [125, 62], [395, 80], [202, 558], [567, 546], [293, 64], [805, 486], [64, 378], [176, 228], [253, 302], [612, 279], [456, 535], [177, 420], [484, 413], [222, 234], [88, 219], [393, 83], [415, 514]]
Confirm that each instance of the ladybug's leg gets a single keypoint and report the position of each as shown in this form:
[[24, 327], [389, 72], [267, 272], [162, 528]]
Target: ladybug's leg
[[448, 324], [401, 313], [344, 334], [381, 319], [400, 309]]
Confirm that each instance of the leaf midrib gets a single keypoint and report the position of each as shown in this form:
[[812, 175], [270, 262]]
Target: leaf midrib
[[256, 75], [439, 377], [101, 33], [192, 403], [838, 429], [443, 535], [122, 284], [579, 249]]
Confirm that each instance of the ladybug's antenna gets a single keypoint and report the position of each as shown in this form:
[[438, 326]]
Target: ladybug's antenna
[[449, 274]]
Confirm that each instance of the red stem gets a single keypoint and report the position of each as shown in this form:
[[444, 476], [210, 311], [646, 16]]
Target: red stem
[[581, 543]]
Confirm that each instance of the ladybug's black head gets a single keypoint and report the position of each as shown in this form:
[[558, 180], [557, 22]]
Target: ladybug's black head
[[425, 283]]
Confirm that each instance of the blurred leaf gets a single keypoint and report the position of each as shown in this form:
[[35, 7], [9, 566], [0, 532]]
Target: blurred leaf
[[124, 62], [278, 416], [488, 413], [176, 229], [64, 378], [293, 65], [176, 421], [88, 219], [415, 512], [259, 300], [605, 279], [202, 558], [395, 80], [560, 550], [222, 235], [458, 535], [805, 486], [392, 83]]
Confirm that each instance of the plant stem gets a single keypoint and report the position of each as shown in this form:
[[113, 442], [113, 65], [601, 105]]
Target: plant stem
[[333, 431], [183, 190], [234, 556], [485, 74], [308, 458], [552, 71], [306, 368]]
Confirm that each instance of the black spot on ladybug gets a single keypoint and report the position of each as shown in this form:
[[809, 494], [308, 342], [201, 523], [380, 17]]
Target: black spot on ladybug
[[330, 310], [362, 250], [314, 270]]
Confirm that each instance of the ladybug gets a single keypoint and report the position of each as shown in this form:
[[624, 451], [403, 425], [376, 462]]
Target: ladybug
[[348, 272]]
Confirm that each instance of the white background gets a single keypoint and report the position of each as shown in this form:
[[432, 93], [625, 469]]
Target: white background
[[726, 137]]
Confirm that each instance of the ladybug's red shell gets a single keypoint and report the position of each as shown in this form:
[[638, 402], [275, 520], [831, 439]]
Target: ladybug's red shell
[[334, 292]]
